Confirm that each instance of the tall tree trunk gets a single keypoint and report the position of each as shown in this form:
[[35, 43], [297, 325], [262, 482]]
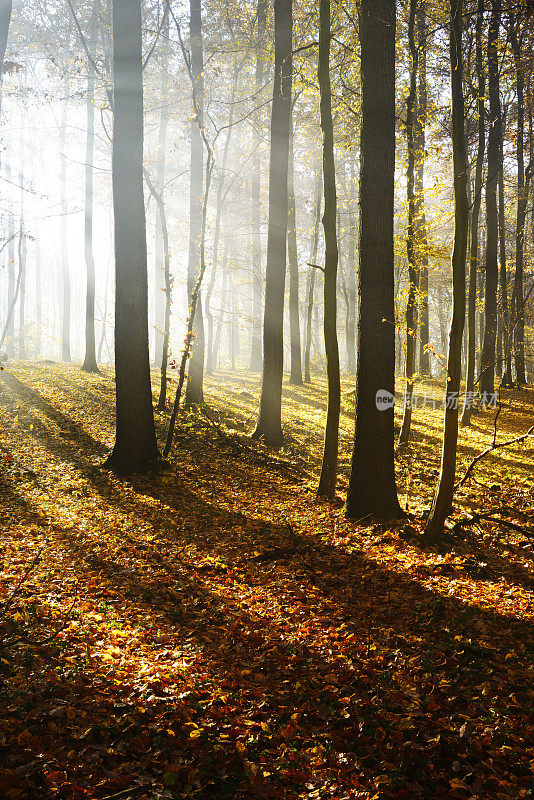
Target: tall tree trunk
[[222, 310], [327, 481], [475, 215], [135, 447], [38, 299], [194, 392], [104, 316], [441, 317], [5, 20], [342, 282], [413, 270], [420, 213], [256, 349], [167, 290], [351, 279], [159, 265], [22, 265], [487, 367], [442, 502], [270, 414], [89, 364], [295, 376], [311, 274], [505, 351], [372, 488], [518, 311], [65, 271]]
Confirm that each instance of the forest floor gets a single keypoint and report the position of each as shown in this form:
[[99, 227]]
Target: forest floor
[[215, 631]]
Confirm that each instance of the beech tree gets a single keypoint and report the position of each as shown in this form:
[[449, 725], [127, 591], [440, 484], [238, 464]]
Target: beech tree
[[443, 496], [524, 175], [487, 365], [194, 390], [135, 448], [475, 215], [89, 364], [372, 487], [327, 481], [411, 248], [256, 349], [269, 424], [6, 7]]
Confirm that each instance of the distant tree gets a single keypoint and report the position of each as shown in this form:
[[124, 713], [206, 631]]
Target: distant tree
[[194, 394], [312, 272], [420, 213], [160, 282], [442, 502], [327, 481], [22, 248], [12, 283], [372, 488], [256, 349], [523, 178], [352, 276], [411, 246], [89, 364], [295, 376], [210, 365], [65, 270], [269, 424], [135, 447], [6, 7]]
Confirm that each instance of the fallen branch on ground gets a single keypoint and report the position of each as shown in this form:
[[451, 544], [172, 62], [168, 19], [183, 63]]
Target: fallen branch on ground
[[491, 449]]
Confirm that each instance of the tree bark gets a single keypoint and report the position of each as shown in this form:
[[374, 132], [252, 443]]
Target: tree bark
[[372, 488], [475, 216], [327, 481], [487, 367], [270, 413], [135, 447], [194, 394], [443, 496]]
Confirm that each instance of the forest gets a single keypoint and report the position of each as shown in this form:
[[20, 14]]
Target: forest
[[266, 399]]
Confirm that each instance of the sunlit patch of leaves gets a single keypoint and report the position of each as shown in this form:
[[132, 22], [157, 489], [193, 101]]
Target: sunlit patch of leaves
[[234, 637]]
